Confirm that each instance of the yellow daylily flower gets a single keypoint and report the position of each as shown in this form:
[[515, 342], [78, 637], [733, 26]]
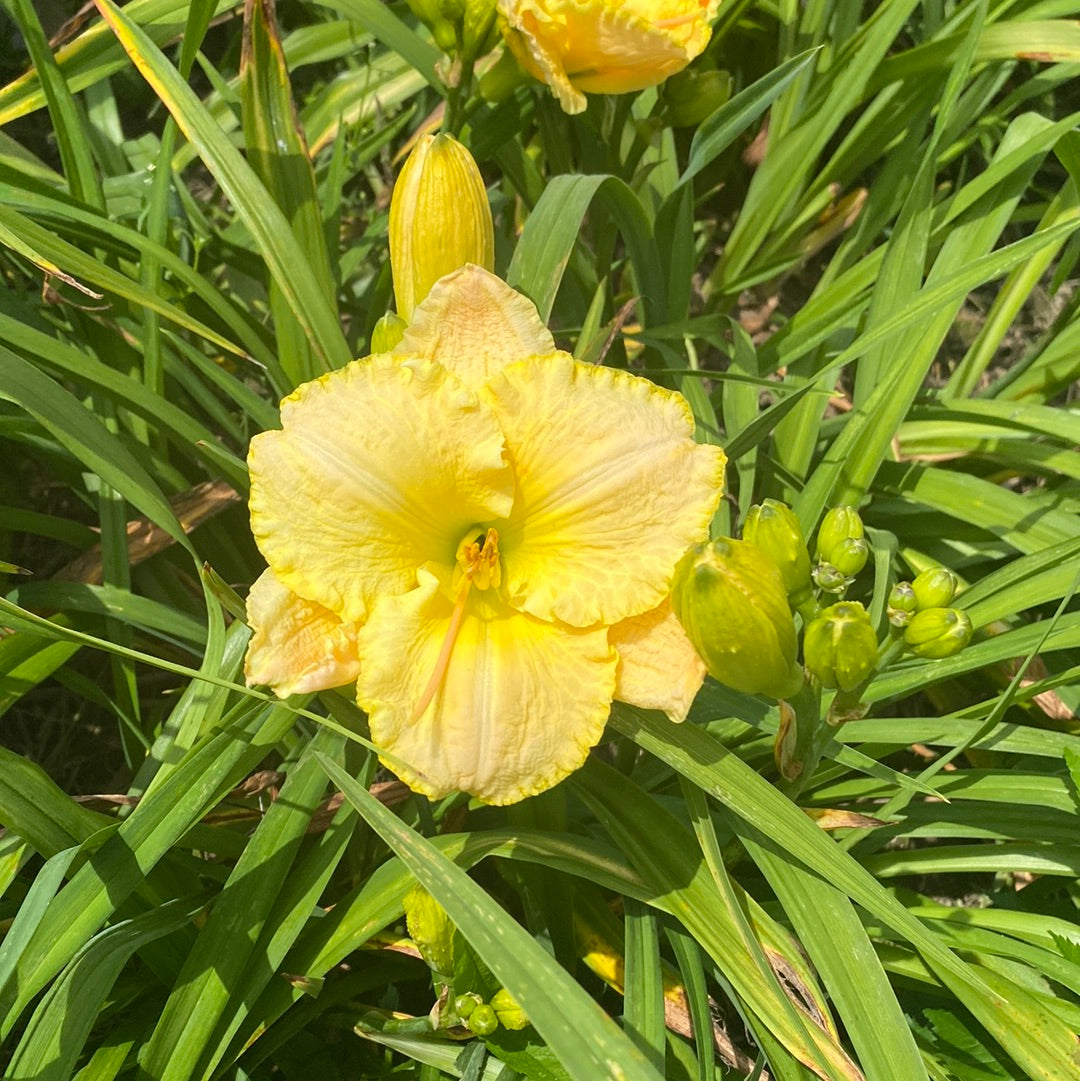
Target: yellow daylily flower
[[482, 532], [583, 47]]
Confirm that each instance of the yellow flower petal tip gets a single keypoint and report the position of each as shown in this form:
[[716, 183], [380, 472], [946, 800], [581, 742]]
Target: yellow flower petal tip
[[583, 47], [475, 324], [497, 521], [440, 219], [297, 646], [658, 666]]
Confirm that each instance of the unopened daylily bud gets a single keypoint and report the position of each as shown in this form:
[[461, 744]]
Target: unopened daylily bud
[[691, 95], [507, 1010], [730, 598], [479, 31], [840, 647], [465, 1004], [482, 1020], [440, 219], [850, 556], [902, 604], [829, 579], [839, 524], [934, 588], [773, 527], [465, 26], [388, 331], [934, 633], [439, 17]]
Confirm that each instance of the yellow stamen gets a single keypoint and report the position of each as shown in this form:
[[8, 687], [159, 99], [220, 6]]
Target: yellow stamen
[[480, 567], [677, 20]]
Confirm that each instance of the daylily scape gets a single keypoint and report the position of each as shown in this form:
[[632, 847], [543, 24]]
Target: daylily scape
[[481, 531]]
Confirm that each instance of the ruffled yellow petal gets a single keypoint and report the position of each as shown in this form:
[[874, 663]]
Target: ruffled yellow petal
[[658, 667], [474, 324], [298, 646], [519, 706], [604, 47], [378, 468], [611, 489]]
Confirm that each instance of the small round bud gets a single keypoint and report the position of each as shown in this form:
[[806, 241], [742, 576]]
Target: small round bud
[[840, 647], [730, 598], [934, 633], [465, 1004], [839, 524], [902, 604], [689, 96], [459, 26], [934, 588], [482, 1020], [388, 331], [829, 579], [439, 17], [773, 527], [850, 556], [507, 1010]]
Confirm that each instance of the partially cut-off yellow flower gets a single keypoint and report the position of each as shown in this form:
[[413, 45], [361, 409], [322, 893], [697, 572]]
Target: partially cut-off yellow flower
[[581, 47], [440, 219], [482, 532]]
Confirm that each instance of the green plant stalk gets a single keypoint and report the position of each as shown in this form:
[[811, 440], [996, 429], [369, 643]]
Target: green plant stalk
[[812, 736]]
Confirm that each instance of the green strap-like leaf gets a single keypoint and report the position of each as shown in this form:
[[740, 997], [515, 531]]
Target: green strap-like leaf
[[584, 1038], [79, 430], [269, 227]]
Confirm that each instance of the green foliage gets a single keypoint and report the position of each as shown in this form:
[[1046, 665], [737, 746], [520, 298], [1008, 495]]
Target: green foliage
[[860, 270]]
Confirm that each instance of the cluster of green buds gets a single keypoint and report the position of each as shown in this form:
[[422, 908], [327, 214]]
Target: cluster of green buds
[[465, 28], [841, 550], [737, 601], [922, 610], [468, 995], [483, 1018]]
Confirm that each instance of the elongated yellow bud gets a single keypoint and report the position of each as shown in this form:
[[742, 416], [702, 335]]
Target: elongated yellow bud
[[440, 219]]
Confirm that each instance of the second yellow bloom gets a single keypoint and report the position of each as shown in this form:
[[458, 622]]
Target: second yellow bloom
[[583, 47]]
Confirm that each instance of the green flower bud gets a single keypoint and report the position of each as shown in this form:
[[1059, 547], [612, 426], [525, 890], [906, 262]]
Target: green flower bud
[[465, 1004], [840, 647], [902, 604], [468, 25], [934, 633], [829, 579], [389, 330], [509, 1013], [934, 588], [839, 524], [482, 1020], [773, 527], [691, 95], [439, 17], [730, 598], [479, 32], [502, 78], [850, 556]]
